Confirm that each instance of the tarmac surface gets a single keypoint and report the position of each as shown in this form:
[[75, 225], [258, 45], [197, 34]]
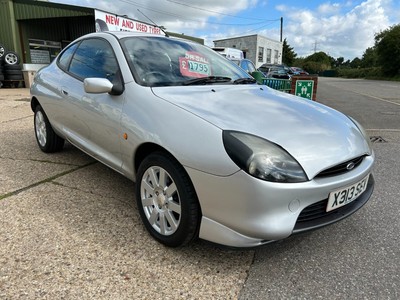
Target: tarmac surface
[[70, 229]]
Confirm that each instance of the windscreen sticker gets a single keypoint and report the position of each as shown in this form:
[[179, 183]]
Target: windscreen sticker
[[194, 65]]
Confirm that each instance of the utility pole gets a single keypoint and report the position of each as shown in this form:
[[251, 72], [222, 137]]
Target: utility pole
[[315, 46], [281, 28]]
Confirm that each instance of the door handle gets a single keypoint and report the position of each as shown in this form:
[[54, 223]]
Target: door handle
[[64, 92]]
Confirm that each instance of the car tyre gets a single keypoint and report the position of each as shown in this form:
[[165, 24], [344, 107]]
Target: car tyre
[[16, 67], [14, 77], [11, 58], [167, 201], [46, 138], [2, 51]]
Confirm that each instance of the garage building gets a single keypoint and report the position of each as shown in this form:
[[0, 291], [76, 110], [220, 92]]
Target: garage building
[[38, 30], [259, 49]]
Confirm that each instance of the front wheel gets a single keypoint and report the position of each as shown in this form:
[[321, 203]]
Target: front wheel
[[166, 200], [46, 138]]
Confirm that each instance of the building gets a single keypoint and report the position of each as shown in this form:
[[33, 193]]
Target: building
[[257, 48], [38, 30]]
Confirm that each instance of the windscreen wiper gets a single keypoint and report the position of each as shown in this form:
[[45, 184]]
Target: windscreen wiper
[[207, 80], [244, 80]]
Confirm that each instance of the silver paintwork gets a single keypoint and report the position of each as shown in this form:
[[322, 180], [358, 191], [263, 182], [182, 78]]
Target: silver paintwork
[[187, 121], [97, 85]]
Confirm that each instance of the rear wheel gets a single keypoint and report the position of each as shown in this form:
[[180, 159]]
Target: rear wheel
[[167, 201], [46, 138]]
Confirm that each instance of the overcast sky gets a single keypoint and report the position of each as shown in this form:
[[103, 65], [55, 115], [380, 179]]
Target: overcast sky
[[339, 28]]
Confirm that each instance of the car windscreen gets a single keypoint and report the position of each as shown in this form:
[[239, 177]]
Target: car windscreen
[[162, 61]]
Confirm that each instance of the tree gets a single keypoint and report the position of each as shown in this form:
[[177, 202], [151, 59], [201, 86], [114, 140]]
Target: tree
[[355, 63], [317, 62], [319, 57], [369, 58], [339, 61], [387, 44], [288, 55]]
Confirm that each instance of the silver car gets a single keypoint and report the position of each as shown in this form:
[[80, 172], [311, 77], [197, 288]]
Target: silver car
[[213, 154]]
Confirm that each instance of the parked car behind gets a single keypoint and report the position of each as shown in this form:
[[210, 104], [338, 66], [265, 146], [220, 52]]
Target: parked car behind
[[266, 67], [245, 64], [298, 71], [279, 73], [213, 154]]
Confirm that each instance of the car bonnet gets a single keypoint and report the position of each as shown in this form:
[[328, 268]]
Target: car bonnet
[[317, 136]]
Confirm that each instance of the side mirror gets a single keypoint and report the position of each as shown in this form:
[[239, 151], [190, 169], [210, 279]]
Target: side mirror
[[97, 85]]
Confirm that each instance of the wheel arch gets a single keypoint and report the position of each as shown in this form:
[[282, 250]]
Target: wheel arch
[[34, 103], [194, 208], [147, 148]]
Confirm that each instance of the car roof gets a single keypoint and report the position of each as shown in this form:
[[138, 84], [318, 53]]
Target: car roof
[[123, 34]]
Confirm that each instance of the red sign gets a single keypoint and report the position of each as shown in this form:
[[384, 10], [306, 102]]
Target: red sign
[[194, 65], [110, 22]]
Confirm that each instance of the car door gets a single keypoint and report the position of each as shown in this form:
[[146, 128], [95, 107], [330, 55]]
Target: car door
[[93, 123]]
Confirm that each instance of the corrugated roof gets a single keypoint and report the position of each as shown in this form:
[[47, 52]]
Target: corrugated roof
[[30, 9]]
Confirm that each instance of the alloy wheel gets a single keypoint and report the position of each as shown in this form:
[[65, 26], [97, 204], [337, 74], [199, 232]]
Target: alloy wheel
[[160, 200], [40, 127]]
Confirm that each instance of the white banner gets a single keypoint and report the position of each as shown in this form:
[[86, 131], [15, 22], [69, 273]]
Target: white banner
[[110, 22]]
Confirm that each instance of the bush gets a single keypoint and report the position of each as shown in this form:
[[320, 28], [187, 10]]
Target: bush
[[370, 73]]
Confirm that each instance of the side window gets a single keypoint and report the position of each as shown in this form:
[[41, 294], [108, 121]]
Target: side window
[[94, 58], [244, 65], [251, 67], [65, 58]]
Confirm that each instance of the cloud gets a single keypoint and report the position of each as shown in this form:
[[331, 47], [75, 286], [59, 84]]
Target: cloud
[[339, 28], [175, 15], [328, 8], [333, 31]]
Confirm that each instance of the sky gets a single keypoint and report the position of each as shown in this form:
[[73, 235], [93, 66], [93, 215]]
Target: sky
[[339, 28]]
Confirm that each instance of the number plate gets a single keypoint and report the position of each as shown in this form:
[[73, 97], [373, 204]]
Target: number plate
[[346, 195]]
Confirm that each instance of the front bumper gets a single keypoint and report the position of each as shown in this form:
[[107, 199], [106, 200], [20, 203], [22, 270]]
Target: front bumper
[[243, 211]]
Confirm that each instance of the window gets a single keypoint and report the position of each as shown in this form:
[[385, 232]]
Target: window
[[43, 52], [244, 65], [276, 56], [248, 66], [269, 51], [65, 58], [94, 58], [261, 54]]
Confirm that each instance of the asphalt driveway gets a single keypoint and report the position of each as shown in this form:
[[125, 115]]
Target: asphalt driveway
[[69, 227]]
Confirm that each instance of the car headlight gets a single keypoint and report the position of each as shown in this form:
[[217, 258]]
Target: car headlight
[[364, 133], [262, 159]]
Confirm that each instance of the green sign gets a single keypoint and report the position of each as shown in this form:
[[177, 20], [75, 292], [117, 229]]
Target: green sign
[[304, 88]]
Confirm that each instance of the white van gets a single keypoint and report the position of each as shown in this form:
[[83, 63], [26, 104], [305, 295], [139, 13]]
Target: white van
[[230, 53]]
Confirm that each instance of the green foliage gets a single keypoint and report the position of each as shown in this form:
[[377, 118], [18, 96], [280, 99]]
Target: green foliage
[[369, 58], [382, 61], [313, 67], [371, 73], [378, 62], [317, 62], [355, 63], [288, 55], [319, 57], [338, 62], [387, 44], [299, 62]]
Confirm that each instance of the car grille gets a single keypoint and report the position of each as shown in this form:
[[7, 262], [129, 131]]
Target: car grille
[[315, 215], [341, 168], [314, 211]]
